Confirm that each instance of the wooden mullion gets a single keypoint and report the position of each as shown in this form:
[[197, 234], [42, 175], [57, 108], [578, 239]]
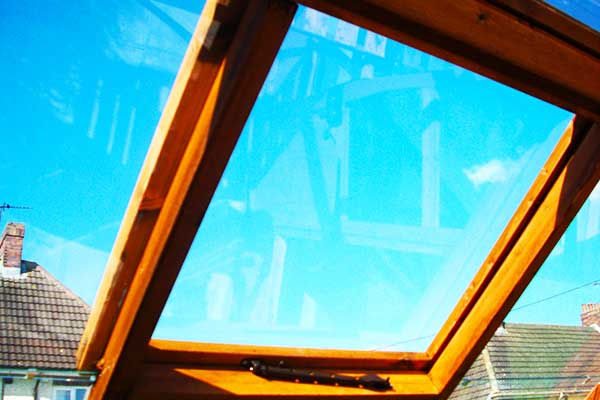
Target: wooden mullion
[[239, 78], [567, 194], [167, 351], [491, 40]]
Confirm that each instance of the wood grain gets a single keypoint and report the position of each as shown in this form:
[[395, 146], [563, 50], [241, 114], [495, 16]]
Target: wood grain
[[185, 382], [167, 351], [543, 16], [594, 394]]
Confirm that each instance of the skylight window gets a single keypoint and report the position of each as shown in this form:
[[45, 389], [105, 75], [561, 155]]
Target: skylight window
[[233, 48], [370, 182]]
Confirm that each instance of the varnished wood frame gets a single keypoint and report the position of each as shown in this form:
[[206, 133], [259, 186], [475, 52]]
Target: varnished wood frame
[[594, 394], [226, 63]]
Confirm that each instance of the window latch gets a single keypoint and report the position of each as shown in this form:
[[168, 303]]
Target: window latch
[[283, 373]]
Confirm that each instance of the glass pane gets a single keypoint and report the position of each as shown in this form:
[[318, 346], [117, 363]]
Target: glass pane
[[570, 276], [62, 394], [83, 88], [550, 342], [369, 183], [586, 11], [80, 394]]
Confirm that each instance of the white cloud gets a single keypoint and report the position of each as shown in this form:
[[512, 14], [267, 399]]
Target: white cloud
[[493, 171]]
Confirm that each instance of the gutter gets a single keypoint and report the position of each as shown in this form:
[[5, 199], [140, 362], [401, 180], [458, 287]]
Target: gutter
[[540, 394], [49, 374]]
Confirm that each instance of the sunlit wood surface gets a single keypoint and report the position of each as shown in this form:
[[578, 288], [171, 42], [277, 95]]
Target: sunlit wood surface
[[175, 382], [170, 351], [594, 394]]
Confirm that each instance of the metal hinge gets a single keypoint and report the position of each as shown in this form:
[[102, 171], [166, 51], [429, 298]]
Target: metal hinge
[[283, 373]]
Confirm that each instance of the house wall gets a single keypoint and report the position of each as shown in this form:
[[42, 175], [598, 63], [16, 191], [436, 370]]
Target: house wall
[[22, 389]]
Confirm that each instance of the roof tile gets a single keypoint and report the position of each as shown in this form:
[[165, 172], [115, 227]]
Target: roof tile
[[41, 321]]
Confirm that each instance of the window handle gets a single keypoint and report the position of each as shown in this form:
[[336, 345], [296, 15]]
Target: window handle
[[299, 375]]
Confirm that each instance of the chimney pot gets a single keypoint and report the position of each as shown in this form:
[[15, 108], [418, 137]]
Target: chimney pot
[[11, 249], [590, 314]]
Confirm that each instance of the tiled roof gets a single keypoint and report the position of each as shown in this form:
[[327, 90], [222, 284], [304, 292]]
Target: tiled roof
[[475, 384], [527, 359], [534, 357], [41, 321]]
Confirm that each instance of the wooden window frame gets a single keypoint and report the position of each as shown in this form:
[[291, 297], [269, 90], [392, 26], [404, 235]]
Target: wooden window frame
[[521, 43]]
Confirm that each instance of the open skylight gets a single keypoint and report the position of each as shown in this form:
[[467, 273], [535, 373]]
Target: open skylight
[[355, 171], [370, 182]]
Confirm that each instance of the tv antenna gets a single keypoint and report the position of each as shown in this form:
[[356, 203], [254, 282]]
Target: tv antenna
[[5, 206]]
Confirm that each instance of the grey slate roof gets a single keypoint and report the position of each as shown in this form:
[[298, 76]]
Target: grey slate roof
[[41, 321], [527, 359], [476, 383]]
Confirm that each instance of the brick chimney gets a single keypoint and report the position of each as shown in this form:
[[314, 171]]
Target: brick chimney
[[590, 314], [11, 248]]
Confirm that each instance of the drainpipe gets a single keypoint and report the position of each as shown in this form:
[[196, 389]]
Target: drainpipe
[[35, 389]]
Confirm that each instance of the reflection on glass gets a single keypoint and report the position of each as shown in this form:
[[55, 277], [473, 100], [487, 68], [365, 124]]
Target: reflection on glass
[[70, 394], [586, 11], [569, 277], [550, 342], [84, 83], [367, 187]]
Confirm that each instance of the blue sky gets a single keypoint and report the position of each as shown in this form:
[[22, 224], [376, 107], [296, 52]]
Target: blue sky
[[366, 189]]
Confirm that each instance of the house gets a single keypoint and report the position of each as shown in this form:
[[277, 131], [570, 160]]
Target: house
[[537, 362], [41, 322]]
